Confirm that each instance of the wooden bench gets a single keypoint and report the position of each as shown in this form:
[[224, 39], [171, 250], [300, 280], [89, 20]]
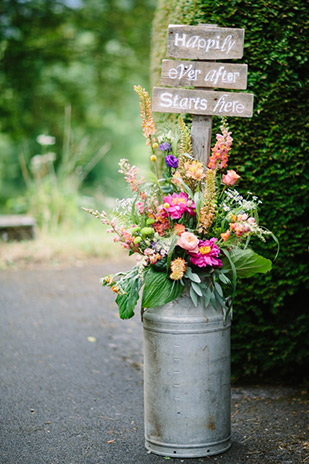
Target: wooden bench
[[16, 227]]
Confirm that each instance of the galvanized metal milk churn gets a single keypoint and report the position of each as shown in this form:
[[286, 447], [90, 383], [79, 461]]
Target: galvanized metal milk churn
[[186, 379]]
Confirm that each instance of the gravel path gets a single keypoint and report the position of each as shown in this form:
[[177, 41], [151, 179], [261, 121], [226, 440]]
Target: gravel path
[[71, 382]]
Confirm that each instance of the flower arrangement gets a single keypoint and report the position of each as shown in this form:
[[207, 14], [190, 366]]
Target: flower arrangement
[[187, 224]]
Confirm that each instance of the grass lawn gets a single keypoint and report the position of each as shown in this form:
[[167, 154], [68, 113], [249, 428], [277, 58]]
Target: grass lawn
[[65, 247]]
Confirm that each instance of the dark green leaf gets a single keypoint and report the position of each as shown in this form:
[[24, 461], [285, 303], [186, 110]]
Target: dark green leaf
[[207, 297], [196, 288], [218, 288], [127, 302], [248, 263], [192, 276], [193, 296], [229, 265], [171, 251], [159, 289], [224, 279]]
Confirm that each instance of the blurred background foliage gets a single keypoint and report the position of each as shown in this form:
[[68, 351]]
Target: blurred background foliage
[[270, 152], [77, 56]]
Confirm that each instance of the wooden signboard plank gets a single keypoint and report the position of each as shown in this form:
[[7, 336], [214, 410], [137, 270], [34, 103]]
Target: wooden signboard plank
[[204, 102], [204, 42], [204, 74]]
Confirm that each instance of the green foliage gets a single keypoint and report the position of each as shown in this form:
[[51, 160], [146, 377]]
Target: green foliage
[[269, 152], [52, 193], [247, 263], [127, 301], [159, 289], [87, 55]]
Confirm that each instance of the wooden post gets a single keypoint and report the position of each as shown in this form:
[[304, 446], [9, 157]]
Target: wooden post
[[201, 130], [201, 137]]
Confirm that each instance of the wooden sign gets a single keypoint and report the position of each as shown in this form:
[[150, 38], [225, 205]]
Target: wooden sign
[[204, 43], [204, 74], [202, 102]]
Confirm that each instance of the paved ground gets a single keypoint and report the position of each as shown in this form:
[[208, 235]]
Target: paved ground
[[71, 382]]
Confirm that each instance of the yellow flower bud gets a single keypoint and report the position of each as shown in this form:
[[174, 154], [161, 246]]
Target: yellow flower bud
[[153, 158], [155, 145]]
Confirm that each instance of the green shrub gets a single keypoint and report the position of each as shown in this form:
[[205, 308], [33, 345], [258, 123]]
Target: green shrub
[[269, 337]]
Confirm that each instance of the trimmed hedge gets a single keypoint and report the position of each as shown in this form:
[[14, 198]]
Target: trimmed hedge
[[269, 336]]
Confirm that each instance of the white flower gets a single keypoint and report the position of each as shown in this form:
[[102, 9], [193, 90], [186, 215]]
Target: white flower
[[45, 140]]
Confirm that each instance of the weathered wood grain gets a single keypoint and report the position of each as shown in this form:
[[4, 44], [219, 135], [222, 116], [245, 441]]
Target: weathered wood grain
[[201, 137], [204, 74], [204, 102], [204, 43]]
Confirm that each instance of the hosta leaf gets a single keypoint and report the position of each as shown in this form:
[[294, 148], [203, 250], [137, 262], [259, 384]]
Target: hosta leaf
[[159, 289], [127, 302], [247, 263]]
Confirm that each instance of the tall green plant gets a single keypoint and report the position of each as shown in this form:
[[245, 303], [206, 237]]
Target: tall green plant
[[269, 330], [53, 190]]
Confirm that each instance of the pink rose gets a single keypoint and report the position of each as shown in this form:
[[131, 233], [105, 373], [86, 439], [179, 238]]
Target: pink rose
[[230, 178], [188, 241]]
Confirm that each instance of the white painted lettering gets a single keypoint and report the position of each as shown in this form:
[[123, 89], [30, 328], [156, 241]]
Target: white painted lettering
[[183, 70], [192, 75], [210, 44], [210, 76], [166, 100], [220, 104], [180, 40], [201, 44], [192, 42], [184, 103], [239, 108], [173, 73], [203, 105], [223, 106], [219, 72], [197, 103], [236, 75]]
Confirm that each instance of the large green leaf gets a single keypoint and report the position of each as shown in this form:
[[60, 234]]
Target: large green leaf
[[159, 289], [247, 263], [127, 302]]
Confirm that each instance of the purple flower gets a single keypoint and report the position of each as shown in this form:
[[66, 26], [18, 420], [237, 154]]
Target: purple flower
[[171, 161], [165, 146]]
